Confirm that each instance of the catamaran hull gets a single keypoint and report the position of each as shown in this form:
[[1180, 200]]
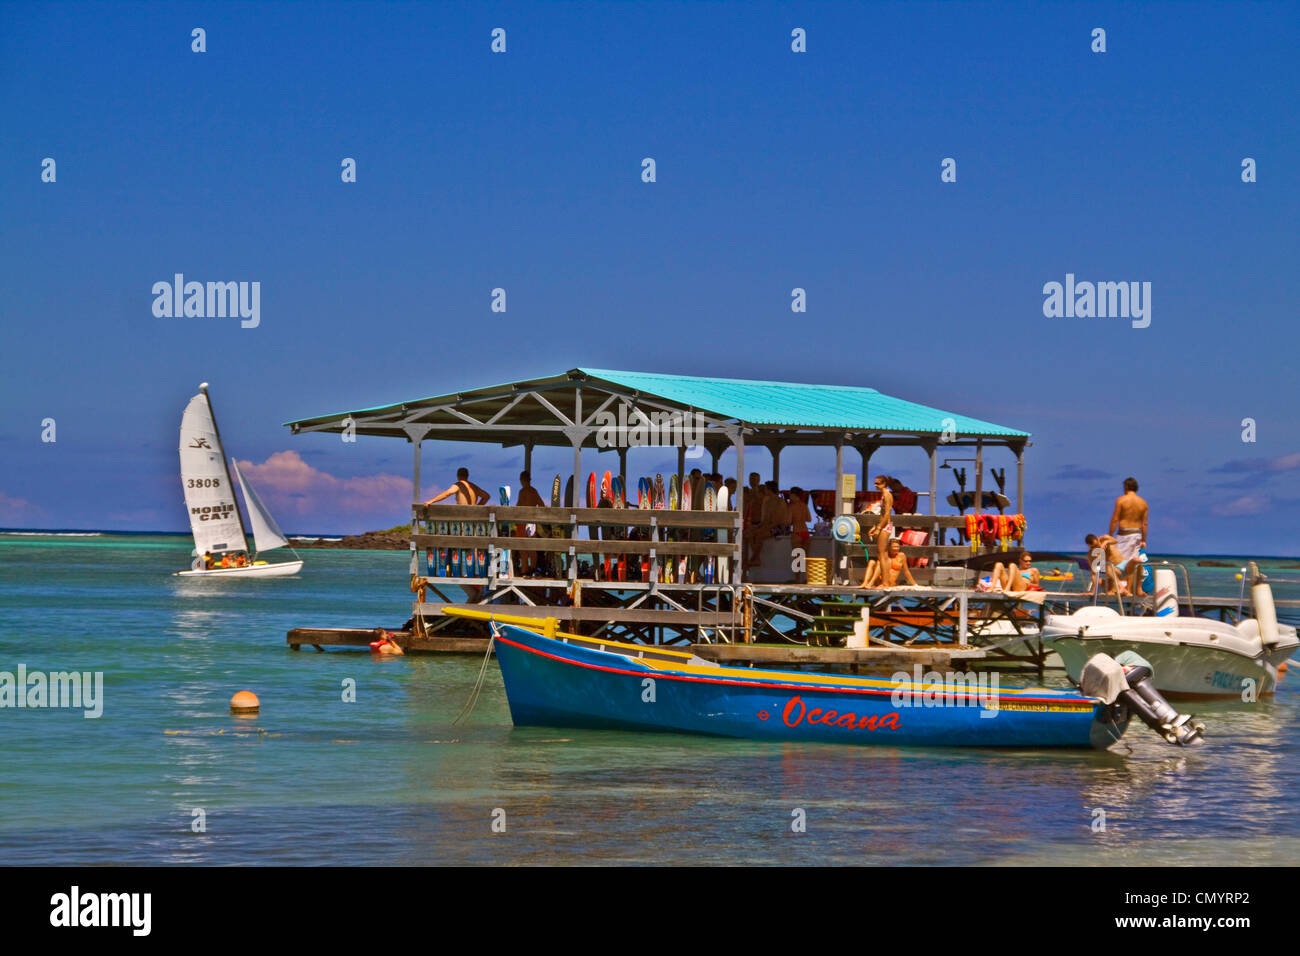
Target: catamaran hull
[[559, 684], [1183, 671], [280, 570]]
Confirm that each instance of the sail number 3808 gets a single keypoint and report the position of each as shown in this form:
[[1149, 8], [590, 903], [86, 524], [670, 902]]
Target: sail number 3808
[[203, 483]]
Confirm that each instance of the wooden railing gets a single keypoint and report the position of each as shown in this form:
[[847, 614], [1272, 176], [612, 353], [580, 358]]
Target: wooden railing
[[614, 517], [685, 527], [659, 526], [931, 550]]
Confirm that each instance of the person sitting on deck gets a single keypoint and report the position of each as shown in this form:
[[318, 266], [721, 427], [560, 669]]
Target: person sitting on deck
[[209, 562], [894, 566], [904, 497], [1123, 575], [1096, 558], [241, 559], [225, 559], [1019, 576]]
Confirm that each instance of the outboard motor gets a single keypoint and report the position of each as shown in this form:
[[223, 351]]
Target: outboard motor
[[1124, 685], [1150, 705]]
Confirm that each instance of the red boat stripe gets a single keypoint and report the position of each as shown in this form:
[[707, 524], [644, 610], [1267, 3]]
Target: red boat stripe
[[660, 675]]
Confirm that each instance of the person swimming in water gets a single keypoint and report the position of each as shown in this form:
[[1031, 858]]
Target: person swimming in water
[[387, 645]]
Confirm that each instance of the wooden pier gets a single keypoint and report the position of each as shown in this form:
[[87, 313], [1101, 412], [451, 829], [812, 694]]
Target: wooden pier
[[682, 581]]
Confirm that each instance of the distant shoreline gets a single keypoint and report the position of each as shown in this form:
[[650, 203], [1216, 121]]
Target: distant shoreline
[[367, 541]]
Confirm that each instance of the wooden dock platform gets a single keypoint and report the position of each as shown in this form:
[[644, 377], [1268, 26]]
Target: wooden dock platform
[[854, 659], [943, 648], [322, 637]]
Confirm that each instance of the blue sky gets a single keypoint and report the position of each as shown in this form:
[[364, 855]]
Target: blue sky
[[775, 170]]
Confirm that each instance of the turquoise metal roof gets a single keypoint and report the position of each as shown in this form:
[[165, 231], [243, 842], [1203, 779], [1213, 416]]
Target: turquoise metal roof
[[772, 404], [798, 405]]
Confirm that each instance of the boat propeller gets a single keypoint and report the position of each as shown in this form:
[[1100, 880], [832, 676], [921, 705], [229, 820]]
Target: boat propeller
[[1124, 682]]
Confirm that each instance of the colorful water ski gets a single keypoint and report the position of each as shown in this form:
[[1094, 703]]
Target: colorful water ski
[[620, 534], [672, 566], [556, 531], [593, 531], [506, 566]]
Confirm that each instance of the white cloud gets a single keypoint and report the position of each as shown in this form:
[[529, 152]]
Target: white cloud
[[1240, 507], [290, 486], [17, 509]]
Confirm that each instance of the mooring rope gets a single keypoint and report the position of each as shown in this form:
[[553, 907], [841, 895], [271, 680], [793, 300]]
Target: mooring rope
[[478, 684]]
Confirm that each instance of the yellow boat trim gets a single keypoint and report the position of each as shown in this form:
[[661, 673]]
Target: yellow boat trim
[[709, 670], [549, 627], [835, 680]]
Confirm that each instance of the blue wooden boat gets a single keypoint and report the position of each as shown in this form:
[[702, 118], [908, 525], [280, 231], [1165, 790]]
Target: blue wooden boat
[[564, 680]]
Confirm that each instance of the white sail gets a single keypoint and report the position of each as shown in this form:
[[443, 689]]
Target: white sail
[[214, 516], [266, 533]]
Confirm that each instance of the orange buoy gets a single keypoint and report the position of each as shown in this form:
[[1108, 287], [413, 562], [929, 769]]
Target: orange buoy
[[245, 704]]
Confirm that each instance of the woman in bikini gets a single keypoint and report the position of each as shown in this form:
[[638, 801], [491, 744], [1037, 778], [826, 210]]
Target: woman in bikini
[[895, 567], [883, 530], [1022, 576]]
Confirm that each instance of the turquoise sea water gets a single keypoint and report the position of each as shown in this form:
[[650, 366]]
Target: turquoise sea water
[[389, 780]]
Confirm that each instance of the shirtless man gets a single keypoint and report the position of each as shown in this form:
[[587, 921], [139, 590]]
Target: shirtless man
[[466, 492], [528, 498], [1128, 522], [753, 499], [528, 495], [799, 517], [773, 516], [894, 566]]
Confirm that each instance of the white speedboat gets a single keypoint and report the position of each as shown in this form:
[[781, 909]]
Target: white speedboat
[[1192, 657], [215, 519]]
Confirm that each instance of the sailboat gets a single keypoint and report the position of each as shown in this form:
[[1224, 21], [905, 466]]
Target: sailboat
[[215, 519]]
